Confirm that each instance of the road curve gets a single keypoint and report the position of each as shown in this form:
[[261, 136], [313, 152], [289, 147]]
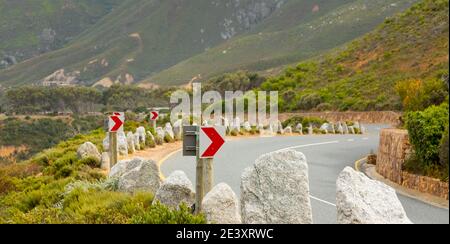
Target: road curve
[[327, 155]]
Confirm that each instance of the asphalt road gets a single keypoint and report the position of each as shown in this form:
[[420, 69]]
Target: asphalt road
[[327, 155]]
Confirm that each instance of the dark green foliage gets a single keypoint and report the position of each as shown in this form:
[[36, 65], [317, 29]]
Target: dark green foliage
[[443, 154], [149, 141], [305, 121], [168, 138], [158, 140], [36, 135], [128, 97], [30, 99], [426, 130], [239, 81], [92, 162]]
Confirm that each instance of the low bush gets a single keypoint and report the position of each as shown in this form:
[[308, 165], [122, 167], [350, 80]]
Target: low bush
[[305, 121], [168, 138], [149, 141], [426, 131], [158, 140]]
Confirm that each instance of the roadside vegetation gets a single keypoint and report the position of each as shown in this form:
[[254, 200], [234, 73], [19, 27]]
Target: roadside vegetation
[[412, 46], [55, 186]]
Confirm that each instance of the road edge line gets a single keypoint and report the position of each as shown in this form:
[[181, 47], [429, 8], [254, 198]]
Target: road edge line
[[161, 161]]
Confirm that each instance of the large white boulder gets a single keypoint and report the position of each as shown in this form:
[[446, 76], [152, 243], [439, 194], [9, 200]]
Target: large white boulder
[[275, 190], [221, 206], [175, 190], [137, 174], [88, 149], [360, 200]]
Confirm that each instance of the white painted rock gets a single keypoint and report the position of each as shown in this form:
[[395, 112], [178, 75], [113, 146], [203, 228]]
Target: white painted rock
[[280, 127], [247, 126], [160, 132], [141, 133], [150, 135], [345, 126], [176, 189], [221, 206], [363, 129], [88, 149], [351, 130], [299, 128], [137, 141], [360, 200], [122, 144], [310, 130], [137, 174], [130, 141], [178, 129], [105, 163], [275, 190], [169, 131], [288, 130], [324, 127]]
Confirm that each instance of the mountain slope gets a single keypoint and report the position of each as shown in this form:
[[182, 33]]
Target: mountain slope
[[32, 27], [141, 38], [276, 45], [144, 36], [410, 46]]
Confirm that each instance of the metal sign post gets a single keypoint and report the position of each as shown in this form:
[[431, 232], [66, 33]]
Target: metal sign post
[[204, 143]]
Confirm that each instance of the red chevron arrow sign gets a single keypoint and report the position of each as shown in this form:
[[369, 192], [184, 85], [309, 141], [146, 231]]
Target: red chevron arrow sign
[[116, 122], [154, 115], [211, 140]]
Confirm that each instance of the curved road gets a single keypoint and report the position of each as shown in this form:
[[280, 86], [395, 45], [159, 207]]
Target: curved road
[[327, 155]]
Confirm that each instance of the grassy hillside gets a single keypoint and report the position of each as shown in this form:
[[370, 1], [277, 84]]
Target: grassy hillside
[[141, 38], [32, 27], [410, 47], [284, 38]]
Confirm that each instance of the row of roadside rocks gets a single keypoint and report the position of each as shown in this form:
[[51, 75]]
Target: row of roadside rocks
[[276, 127], [129, 142], [274, 190]]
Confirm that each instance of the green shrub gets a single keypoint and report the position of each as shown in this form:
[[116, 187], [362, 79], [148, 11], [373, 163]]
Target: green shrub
[[305, 121], [168, 138], [149, 142], [158, 140], [426, 129], [90, 161], [443, 154], [324, 107], [233, 133], [160, 214]]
